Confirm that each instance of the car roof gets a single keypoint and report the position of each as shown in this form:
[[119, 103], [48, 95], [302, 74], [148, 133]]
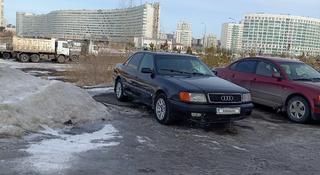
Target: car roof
[[167, 53], [275, 59]]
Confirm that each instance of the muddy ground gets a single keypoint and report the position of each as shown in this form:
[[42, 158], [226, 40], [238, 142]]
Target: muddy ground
[[264, 143]]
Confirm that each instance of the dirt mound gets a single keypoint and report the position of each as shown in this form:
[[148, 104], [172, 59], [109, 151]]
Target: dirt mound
[[27, 103]]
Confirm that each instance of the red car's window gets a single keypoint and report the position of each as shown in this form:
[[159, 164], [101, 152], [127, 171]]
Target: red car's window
[[266, 69], [245, 66]]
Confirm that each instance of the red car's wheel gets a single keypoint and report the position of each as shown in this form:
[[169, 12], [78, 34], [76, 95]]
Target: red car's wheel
[[298, 110]]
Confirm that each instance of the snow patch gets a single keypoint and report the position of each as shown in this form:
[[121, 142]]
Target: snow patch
[[55, 77], [101, 90], [142, 140], [145, 141], [239, 148], [38, 72], [214, 142], [55, 155], [200, 136], [27, 102]]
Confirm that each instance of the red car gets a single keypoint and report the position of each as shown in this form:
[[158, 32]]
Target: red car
[[289, 85]]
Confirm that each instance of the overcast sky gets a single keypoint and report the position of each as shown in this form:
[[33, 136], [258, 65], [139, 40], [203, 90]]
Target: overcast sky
[[199, 12]]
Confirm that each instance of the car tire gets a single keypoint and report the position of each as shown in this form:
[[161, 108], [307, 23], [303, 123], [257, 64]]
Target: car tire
[[61, 59], [298, 110], [35, 58], [6, 55], [119, 91], [74, 58], [162, 111], [24, 58]]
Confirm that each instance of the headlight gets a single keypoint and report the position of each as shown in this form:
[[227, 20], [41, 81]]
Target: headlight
[[246, 97], [192, 97]]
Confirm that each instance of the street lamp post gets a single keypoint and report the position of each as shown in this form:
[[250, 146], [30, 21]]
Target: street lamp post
[[204, 33]]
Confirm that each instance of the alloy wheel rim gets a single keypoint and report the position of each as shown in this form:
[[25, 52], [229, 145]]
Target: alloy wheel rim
[[119, 90], [297, 110], [161, 109]]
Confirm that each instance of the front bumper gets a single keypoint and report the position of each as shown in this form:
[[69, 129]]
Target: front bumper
[[315, 116], [209, 111]]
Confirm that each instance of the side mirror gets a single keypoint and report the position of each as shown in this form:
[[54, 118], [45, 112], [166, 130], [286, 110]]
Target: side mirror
[[214, 71], [146, 71], [277, 75]]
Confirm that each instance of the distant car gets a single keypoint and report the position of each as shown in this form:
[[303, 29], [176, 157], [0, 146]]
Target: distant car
[[176, 85], [286, 84]]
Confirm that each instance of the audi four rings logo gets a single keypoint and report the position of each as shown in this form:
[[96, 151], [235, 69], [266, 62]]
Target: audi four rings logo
[[226, 98]]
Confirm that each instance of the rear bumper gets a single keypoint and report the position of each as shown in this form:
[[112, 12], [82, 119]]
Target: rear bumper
[[209, 111]]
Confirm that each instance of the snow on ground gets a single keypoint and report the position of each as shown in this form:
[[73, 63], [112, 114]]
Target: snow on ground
[[37, 72], [56, 155], [97, 91], [27, 102]]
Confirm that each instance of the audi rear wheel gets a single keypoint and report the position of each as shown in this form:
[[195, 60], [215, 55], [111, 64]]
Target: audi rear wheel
[[119, 91]]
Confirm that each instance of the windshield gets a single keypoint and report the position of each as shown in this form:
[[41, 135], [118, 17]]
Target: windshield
[[300, 72], [181, 65]]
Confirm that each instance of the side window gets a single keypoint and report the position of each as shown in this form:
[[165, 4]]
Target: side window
[[135, 61], [147, 62], [245, 66], [233, 66], [266, 69], [287, 69], [65, 45]]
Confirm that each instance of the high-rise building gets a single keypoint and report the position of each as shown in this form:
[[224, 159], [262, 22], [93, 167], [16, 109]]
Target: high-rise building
[[184, 34], [2, 20], [209, 41], [115, 25], [231, 36], [278, 34]]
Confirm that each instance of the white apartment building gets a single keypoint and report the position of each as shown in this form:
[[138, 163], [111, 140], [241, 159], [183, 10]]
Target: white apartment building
[[278, 34], [184, 34], [114, 25], [231, 36], [2, 19], [209, 40]]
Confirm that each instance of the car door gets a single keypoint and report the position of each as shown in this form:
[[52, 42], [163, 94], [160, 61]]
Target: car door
[[267, 88], [130, 74], [146, 83], [242, 73]]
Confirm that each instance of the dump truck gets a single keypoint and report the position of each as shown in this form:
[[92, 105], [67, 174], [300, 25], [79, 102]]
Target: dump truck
[[36, 49]]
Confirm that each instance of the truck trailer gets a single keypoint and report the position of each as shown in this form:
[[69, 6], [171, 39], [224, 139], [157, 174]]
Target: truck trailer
[[36, 49]]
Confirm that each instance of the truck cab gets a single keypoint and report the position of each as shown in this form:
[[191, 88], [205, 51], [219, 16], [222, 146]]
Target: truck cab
[[94, 50], [63, 48]]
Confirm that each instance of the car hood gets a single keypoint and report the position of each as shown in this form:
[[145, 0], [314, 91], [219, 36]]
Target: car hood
[[207, 84]]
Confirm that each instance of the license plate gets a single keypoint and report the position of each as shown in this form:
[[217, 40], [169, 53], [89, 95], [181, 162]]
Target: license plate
[[228, 111]]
